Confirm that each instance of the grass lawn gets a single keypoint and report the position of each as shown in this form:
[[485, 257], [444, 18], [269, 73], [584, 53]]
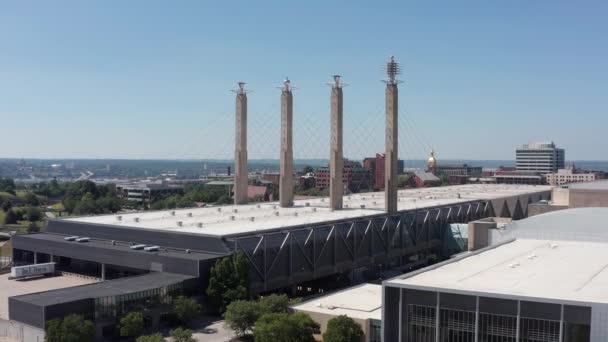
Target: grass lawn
[[58, 206], [6, 195]]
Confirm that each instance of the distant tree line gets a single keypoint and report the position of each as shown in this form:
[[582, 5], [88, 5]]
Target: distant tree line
[[193, 193], [84, 197]]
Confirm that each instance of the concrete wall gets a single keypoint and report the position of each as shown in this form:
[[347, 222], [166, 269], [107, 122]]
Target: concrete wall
[[588, 198], [19, 332], [478, 234], [537, 208], [560, 196]]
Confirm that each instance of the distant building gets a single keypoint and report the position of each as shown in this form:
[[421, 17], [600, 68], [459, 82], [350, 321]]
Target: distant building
[[421, 179], [517, 177], [542, 157], [146, 193], [569, 175], [355, 177], [376, 165], [456, 173]]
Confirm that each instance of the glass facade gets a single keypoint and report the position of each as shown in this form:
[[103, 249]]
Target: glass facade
[[375, 330], [115, 306], [432, 317]]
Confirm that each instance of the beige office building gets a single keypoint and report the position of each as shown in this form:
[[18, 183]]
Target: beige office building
[[569, 175]]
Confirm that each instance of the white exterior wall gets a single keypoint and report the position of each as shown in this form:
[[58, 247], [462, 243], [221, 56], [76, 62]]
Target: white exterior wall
[[599, 323]]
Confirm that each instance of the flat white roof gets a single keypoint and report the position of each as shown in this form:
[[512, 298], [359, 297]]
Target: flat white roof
[[361, 302], [558, 270], [234, 219]]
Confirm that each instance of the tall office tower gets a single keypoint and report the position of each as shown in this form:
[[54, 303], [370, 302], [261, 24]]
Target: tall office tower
[[286, 167], [392, 129], [336, 158], [241, 173], [541, 157]]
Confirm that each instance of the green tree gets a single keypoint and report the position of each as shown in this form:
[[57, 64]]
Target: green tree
[[7, 205], [228, 281], [186, 308], [12, 216], [72, 328], [241, 316], [224, 199], [7, 185], [280, 327], [182, 335], [403, 181], [343, 329], [151, 338], [274, 303], [307, 169], [31, 199], [132, 324], [33, 228], [33, 214]]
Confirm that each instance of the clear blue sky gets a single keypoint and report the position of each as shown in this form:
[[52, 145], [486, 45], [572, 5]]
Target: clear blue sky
[[150, 79]]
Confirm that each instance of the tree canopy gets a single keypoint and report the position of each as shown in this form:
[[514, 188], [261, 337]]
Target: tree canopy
[[132, 324], [7, 185], [185, 309], [228, 281], [241, 315], [182, 335], [342, 329], [72, 328], [280, 327], [151, 338], [85, 197]]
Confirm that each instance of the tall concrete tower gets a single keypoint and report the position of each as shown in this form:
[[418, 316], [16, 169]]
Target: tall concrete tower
[[286, 172], [240, 149], [392, 129], [336, 158]]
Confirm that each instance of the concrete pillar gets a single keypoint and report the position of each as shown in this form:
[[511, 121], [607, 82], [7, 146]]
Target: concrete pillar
[[336, 157], [478, 233], [103, 271], [391, 162], [240, 150], [286, 167], [35, 258]]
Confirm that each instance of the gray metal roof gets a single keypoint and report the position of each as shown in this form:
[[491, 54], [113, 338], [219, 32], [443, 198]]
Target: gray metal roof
[[115, 287], [579, 224]]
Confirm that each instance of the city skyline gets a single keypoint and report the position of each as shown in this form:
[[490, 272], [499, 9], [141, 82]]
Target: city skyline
[[143, 80]]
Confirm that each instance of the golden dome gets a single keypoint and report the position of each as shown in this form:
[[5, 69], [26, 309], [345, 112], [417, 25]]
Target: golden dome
[[432, 161]]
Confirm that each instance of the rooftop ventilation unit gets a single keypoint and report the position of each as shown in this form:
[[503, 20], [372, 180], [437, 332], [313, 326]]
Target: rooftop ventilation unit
[[276, 213], [173, 213], [553, 246], [137, 247], [314, 210], [180, 223], [252, 218], [307, 204], [188, 251], [189, 214], [362, 206], [235, 210], [114, 242], [258, 206], [295, 214], [152, 249], [83, 239], [199, 224], [232, 217], [219, 209], [136, 219], [70, 238], [119, 218], [346, 206]]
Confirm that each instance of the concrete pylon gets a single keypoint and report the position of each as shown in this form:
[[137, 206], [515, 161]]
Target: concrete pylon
[[286, 167], [241, 173], [336, 157], [391, 162]]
